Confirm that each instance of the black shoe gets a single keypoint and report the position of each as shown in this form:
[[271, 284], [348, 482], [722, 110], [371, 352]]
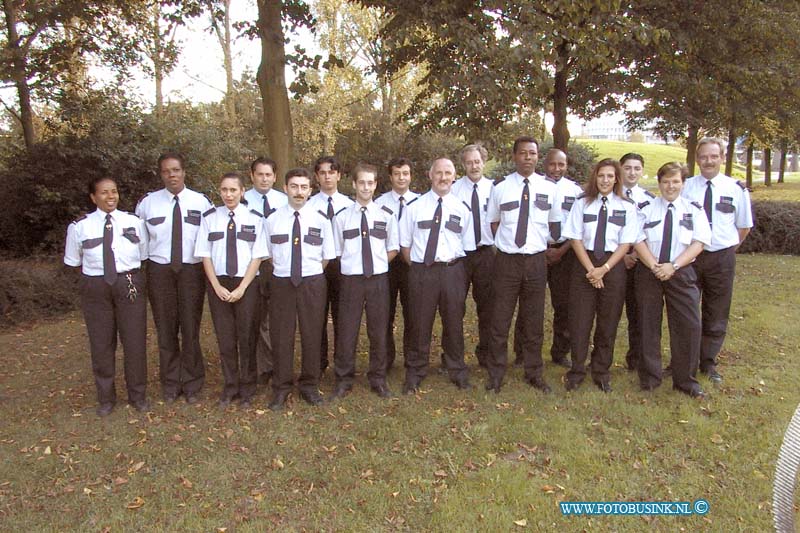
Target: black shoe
[[713, 376], [631, 364], [563, 361], [312, 397], [191, 398], [382, 391], [340, 391], [410, 387], [571, 385], [169, 397], [104, 409], [278, 402], [463, 384], [698, 394], [539, 383], [264, 377], [141, 405], [245, 403], [494, 384], [604, 386], [224, 402]]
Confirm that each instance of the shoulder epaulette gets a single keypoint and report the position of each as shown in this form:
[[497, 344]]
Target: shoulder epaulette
[[82, 217], [142, 198], [626, 199], [257, 213], [582, 195], [697, 205], [551, 180], [412, 201], [209, 211], [499, 180], [644, 204], [244, 201], [131, 213], [469, 207], [649, 194], [208, 199], [340, 210], [742, 185], [387, 209]]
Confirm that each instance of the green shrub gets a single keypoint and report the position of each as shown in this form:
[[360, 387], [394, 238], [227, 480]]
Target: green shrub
[[33, 289], [777, 229]]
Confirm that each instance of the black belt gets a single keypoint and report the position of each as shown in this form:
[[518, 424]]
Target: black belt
[[132, 271], [479, 249], [443, 263], [519, 255], [557, 244]]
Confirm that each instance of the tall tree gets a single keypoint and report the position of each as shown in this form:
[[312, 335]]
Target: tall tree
[[220, 15]]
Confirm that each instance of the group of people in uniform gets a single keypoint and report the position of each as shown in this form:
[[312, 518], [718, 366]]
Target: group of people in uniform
[[269, 261]]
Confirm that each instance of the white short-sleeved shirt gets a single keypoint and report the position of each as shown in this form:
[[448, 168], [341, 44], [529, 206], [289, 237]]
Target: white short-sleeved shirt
[[383, 238], [504, 208], [391, 200], [317, 242], [320, 204], [689, 223], [622, 225], [638, 194], [415, 227], [84, 246], [463, 188], [731, 208], [155, 210], [213, 235], [255, 200], [568, 191]]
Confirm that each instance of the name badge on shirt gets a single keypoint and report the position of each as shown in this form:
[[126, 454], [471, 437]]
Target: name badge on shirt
[[192, 217], [380, 224], [617, 217], [687, 221], [541, 202], [454, 224], [568, 202], [130, 234], [725, 204], [315, 232]]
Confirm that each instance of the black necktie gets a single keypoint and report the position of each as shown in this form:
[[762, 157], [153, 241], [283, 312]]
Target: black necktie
[[109, 264], [400, 211], [296, 273], [231, 260], [266, 205], [433, 237], [522, 224], [330, 209], [476, 215], [708, 201], [176, 249], [600, 234], [666, 239], [366, 247]]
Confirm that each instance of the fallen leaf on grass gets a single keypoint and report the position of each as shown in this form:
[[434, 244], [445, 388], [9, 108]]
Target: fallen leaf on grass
[[120, 481], [521, 523], [47, 451], [135, 468], [366, 474], [136, 503], [440, 473], [277, 464], [716, 438], [185, 482]]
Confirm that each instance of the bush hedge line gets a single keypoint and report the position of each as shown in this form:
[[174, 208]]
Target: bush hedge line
[[777, 229]]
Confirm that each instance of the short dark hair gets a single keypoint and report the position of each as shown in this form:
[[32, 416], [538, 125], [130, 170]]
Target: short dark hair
[[525, 139], [295, 173], [233, 175], [332, 161], [631, 155], [263, 161], [364, 167], [399, 162], [171, 155], [92, 185]]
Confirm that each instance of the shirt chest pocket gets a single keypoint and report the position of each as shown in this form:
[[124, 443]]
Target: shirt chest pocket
[[509, 211], [653, 230], [156, 221], [248, 233], [453, 224], [351, 233], [88, 244], [617, 217], [378, 232], [192, 217], [314, 237], [215, 235], [130, 235], [725, 205]]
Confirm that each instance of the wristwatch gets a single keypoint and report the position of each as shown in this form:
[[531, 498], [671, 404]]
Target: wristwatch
[[675, 266]]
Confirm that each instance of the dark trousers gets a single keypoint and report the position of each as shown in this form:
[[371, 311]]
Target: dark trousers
[[478, 267], [264, 345], [558, 280], [524, 278], [237, 332], [333, 275], [288, 306], [398, 284], [177, 304], [356, 294], [439, 286], [634, 354], [107, 309], [683, 316], [715, 273], [601, 307]]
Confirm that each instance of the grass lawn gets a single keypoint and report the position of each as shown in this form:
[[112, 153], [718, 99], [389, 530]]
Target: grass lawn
[[443, 460]]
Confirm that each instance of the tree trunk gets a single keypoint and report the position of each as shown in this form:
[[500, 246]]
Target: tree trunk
[[158, 64], [767, 166], [731, 151], [749, 178], [794, 166], [272, 84], [560, 129], [19, 68], [782, 164], [691, 147], [224, 38]]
